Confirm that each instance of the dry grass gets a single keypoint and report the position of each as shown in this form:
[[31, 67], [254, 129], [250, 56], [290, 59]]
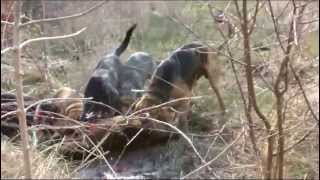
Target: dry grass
[[44, 165], [102, 36]]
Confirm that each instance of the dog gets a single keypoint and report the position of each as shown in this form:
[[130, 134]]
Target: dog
[[135, 72], [176, 76], [104, 83]]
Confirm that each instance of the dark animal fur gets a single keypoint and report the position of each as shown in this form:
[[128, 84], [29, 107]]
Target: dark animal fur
[[104, 82], [176, 76], [135, 72]]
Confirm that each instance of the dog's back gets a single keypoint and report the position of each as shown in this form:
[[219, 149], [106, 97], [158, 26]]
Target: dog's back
[[103, 84], [176, 76], [136, 71], [179, 72], [143, 63]]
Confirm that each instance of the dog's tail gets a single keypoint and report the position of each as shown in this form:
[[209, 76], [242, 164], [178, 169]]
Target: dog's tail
[[126, 41]]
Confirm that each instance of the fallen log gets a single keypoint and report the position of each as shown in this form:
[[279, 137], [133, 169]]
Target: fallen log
[[112, 134], [9, 119]]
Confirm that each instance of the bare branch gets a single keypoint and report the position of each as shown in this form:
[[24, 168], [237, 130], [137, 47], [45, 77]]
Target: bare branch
[[215, 158], [275, 24], [199, 38], [103, 157], [181, 133], [249, 118], [254, 17], [6, 50], [247, 56], [38, 102], [7, 23], [65, 17], [238, 9], [304, 137], [42, 39], [303, 93], [310, 21], [163, 104], [51, 38]]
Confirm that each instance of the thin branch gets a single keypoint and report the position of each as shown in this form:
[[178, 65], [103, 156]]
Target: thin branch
[[304, 137], [303, 93], [51, 38], [103, 157], [254, 17], [249, 118], [64, 17], [7, 23], [6, 50], [43, 39], [41, 101], [180, 132], [215, 158], [238, 9], [246, 43], [126, 146], [200, 39], [275, 24], [164, 104], [308, 22]]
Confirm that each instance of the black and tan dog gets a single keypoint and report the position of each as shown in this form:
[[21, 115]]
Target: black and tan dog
[[134, 74], [176, 76], [104, 82]]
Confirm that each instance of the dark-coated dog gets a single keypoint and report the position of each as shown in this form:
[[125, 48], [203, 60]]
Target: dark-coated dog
[[134, 74], [176, 76], [103, 84]]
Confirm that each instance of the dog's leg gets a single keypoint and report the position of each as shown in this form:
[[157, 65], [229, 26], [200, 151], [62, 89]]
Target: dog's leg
[[219, 97], [213, 72], [183, 116]]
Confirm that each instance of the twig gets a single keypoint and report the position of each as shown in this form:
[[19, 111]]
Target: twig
[[238, 9], [88, 162], [7, 23], [42, 39], [103, 157], [303, 93], [249, 118], [308, 22], [38, 102], [254, 17], [200, 39], [215, 158], [164, 104], [213, 142], [304, 137], [125, 147], [97, 146], [64, 17], [180, 132], [275, 25]]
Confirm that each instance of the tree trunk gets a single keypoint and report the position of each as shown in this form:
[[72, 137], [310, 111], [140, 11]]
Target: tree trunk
[[19, 87]]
